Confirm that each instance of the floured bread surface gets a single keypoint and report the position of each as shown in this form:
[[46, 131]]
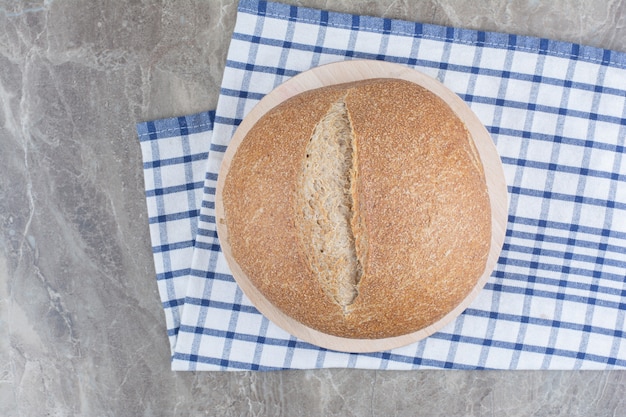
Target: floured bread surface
[[360, 210]]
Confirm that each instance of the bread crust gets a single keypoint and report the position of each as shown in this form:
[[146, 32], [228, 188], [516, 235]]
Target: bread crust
[[421, 198]]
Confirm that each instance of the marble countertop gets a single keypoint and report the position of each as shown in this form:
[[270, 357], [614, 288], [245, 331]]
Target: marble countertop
[[82, 331]]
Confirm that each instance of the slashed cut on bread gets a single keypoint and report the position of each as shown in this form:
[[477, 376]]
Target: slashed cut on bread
[[361, 209]]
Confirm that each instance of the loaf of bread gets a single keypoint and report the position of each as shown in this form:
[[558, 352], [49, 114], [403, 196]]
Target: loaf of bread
[[360, 210]]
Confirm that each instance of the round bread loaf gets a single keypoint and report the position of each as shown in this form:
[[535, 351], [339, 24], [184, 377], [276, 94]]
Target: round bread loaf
[[360, 210]]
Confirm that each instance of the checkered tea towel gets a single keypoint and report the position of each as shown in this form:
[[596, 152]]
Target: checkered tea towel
[[557, 113]]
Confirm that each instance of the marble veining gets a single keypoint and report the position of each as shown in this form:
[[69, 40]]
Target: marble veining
[[81, 327]]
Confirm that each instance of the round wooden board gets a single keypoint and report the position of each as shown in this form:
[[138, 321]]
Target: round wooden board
[[348, 71]]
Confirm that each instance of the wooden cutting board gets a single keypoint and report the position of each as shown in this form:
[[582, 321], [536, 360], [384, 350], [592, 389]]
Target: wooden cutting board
[[348, 71]]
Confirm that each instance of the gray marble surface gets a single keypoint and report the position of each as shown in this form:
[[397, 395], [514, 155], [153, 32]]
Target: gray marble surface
[[82, 332]]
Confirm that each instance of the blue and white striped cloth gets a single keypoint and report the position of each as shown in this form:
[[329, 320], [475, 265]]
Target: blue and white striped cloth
[[557, 113]]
